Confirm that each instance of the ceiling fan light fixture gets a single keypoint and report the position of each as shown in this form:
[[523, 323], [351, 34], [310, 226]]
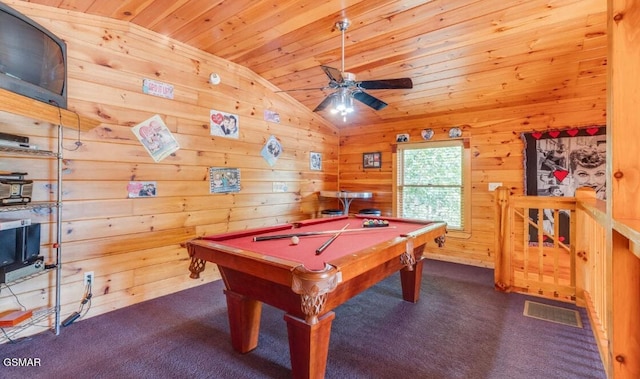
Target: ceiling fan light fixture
[[342, 97], [342, 102], [349, 104]]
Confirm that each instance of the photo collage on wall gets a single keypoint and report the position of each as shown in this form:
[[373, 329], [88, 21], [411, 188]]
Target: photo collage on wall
[[159, 143], [558, 162]]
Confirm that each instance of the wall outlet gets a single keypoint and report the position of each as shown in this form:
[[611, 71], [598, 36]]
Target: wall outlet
[[88, 278], [494, 185]]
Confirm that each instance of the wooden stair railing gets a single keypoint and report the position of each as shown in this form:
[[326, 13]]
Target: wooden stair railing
[[521, 263], [574, 272]]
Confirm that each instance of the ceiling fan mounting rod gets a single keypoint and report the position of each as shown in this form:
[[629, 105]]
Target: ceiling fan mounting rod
[[342, 26]]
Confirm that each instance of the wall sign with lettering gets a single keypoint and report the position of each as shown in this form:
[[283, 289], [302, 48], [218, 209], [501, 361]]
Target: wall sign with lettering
[[155, 88]]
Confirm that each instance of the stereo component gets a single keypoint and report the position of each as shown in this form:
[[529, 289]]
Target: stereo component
[[14, 189], [14, 138], [19, 270]]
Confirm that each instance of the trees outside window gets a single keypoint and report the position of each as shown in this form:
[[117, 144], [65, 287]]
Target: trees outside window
[[433, 183]]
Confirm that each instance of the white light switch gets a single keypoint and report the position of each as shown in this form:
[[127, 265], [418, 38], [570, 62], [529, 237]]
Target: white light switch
[[494, 185]]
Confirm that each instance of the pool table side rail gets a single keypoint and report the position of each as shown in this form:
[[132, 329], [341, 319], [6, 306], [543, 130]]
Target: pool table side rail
[[360, 261], [240, 259]]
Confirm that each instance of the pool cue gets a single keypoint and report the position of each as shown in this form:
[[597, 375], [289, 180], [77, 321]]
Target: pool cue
[[303, 234], [328, 242]]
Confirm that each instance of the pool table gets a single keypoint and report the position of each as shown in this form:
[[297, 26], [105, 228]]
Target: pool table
[[266, 266]]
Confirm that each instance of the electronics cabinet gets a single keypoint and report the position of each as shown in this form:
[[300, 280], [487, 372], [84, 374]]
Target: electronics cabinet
[[16, 322]]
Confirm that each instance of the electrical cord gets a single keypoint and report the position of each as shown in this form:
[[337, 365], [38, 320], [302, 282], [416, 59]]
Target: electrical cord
[[86, 300], [81, 312], [22, 307], [78, 143], [7, 336]]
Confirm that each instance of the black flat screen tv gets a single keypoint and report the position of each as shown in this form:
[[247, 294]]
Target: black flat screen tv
[[33, 61]]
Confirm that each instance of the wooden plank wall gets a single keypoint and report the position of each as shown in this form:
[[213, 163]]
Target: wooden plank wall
[[133, 245], [497, 156]]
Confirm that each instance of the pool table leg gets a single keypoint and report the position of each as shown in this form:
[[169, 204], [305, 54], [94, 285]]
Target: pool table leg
[[411, 281], [309, 345], [244, 321]]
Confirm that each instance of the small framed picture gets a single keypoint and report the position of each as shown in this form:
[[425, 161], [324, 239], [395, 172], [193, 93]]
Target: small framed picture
[[141, 189], [224, 180], [404, 137], [271, 150], [427, 134], [455, 133], [315, 161], [224, 124], [372, 160]]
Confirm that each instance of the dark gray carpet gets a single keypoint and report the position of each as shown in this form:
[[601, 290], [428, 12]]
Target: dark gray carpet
[[461, 328]]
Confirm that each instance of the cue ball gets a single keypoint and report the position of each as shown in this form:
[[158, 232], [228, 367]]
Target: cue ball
[[295, 240]]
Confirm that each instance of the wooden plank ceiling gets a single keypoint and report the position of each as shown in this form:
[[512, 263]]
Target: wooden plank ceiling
[[462, 55]]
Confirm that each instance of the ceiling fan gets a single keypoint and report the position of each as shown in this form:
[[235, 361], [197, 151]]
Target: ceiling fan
[[348, 88]]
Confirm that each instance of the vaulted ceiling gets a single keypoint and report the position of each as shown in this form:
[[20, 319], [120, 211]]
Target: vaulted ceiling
[[462, 55]]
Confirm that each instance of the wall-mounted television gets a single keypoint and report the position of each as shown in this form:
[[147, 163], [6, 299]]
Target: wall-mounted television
[[33, 61]]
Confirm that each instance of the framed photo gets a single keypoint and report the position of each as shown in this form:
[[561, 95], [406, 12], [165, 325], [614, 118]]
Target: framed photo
[[156, 138], [224, 180], [224, 124], [315, 161], [271, 150], [455, 133], [271, 116], [372, 160], [141, 189], [427, 134]]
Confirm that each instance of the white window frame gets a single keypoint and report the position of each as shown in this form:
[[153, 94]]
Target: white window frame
[[465, 230]]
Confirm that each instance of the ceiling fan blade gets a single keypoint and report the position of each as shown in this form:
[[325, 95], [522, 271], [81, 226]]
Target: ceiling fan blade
[[334, 74], [369, 100], [402, 83], [302, 89], [327, 100]]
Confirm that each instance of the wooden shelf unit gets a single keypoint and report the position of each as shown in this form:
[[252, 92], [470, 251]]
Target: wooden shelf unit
[[24, 106], [36, 317]]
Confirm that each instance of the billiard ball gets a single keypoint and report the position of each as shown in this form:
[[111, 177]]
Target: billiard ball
[[295, 240]]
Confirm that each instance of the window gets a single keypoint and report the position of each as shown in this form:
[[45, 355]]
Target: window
[[433, 183]]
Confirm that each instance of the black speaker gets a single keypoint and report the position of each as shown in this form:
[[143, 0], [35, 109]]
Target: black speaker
[[10, 246], [20, 244], [31, 237]]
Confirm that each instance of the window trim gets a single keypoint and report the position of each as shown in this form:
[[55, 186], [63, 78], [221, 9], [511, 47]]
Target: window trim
[[465, 232]]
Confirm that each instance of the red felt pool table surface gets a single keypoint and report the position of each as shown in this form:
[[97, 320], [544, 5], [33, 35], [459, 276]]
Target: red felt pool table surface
[[308, 286], [355, 238]]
